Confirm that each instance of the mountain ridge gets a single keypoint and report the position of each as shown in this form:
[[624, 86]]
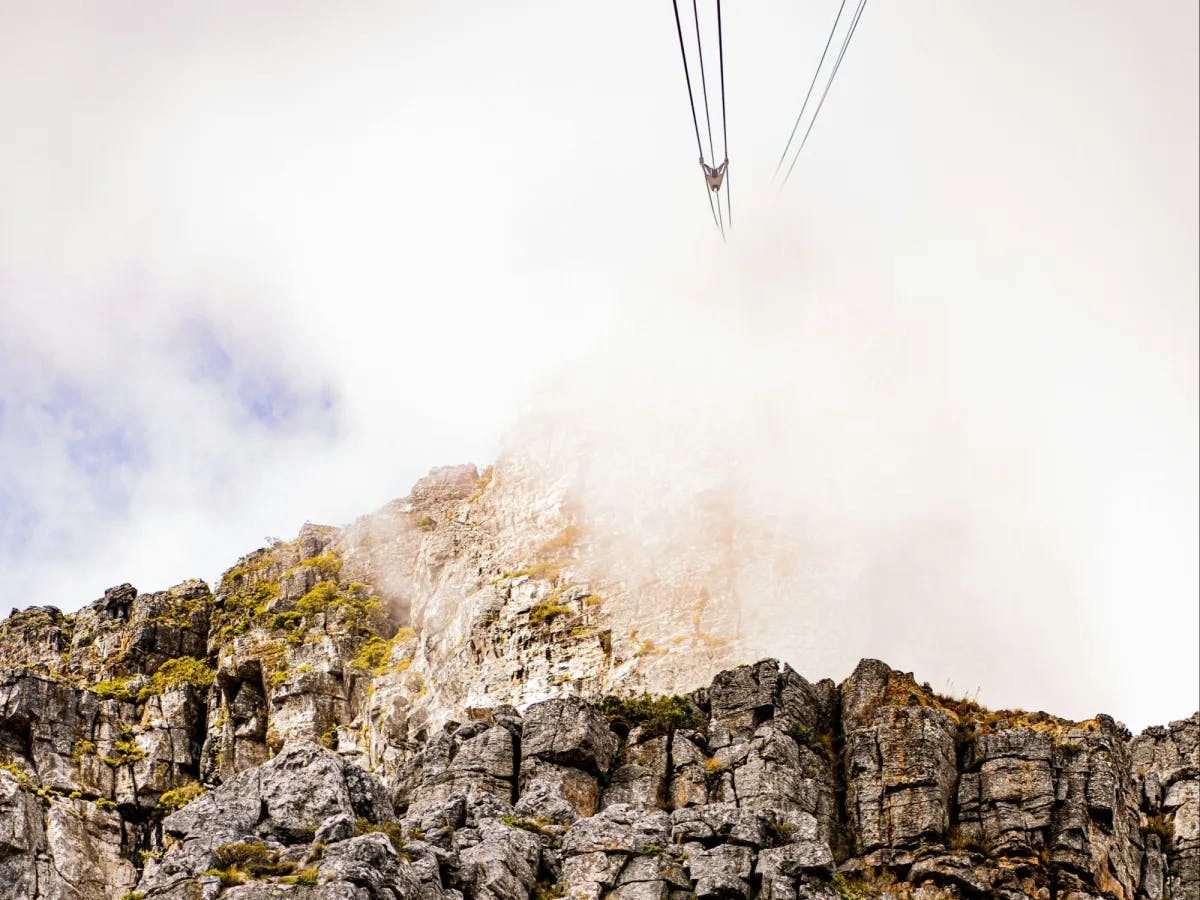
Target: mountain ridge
[[448, 698]]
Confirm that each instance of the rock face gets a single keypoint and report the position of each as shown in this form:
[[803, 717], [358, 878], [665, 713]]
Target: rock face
[[443, 701]]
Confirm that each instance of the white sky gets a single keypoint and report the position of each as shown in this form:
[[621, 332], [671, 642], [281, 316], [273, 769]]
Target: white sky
[[269, 262]]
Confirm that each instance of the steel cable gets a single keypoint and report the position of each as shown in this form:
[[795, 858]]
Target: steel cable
[[707, 118], [724, 118], [688, 77], [807, 96], [845, 44], [692, 105]]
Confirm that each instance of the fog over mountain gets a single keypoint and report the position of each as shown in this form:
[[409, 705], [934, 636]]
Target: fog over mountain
[[259, 268]]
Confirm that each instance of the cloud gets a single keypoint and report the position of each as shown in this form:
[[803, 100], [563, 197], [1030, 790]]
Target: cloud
[[260, 266], [835, 466]]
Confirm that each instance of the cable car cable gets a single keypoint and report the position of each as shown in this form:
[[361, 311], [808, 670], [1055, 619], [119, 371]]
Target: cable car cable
[[845, 44], [691, 99], [716, 218], [807, 96], [707, 118], [704, 84], [688, 77], [724, 118]]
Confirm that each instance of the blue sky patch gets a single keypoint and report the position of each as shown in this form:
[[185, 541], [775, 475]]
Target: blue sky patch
[[18, 519], [207, 357], [255, 391]]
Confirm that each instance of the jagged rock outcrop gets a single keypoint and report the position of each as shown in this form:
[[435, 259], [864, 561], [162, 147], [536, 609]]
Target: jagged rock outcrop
[[877, 785], [306, 819], [1166, 775], [444, 700]]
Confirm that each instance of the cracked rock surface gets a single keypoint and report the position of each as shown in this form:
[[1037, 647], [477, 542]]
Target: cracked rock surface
[[443, 700]]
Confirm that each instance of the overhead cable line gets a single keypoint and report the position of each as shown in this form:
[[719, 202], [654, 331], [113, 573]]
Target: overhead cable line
[[808, 95], [688, 77], [692, 101], [724, 119], [703, 83], [707, 118], [845, 44]]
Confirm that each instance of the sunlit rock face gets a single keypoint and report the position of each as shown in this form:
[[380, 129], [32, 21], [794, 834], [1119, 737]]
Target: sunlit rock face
[[445, 699], [514, 596]]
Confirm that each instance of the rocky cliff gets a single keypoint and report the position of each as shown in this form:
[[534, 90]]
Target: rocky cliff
[[452, 698]]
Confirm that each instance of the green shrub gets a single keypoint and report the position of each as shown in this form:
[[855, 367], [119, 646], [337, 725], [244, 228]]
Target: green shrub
[[125, 752], [49, 794], [714, 771], [655, 715], [23, 780], [113, 689], [358, 615], [536, 826], [81, 749], [563, 542], [304, 876], [253, 858], [546, 611], [848, 890], [330, 737], [391, 830], [543, 828], [645, 646], [779, 832], [328, 565], [285, 621], [1160, 825], [958, 841], [317, 599], [230, 877], [240, 609], [373, 656], [174, 673], [180, 797]]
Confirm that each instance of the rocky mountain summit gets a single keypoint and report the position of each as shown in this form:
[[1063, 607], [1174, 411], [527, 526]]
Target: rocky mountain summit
[[449, 699]]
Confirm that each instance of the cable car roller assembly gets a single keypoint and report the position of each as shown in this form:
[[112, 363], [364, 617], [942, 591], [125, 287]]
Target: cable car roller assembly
[[716, 175]]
